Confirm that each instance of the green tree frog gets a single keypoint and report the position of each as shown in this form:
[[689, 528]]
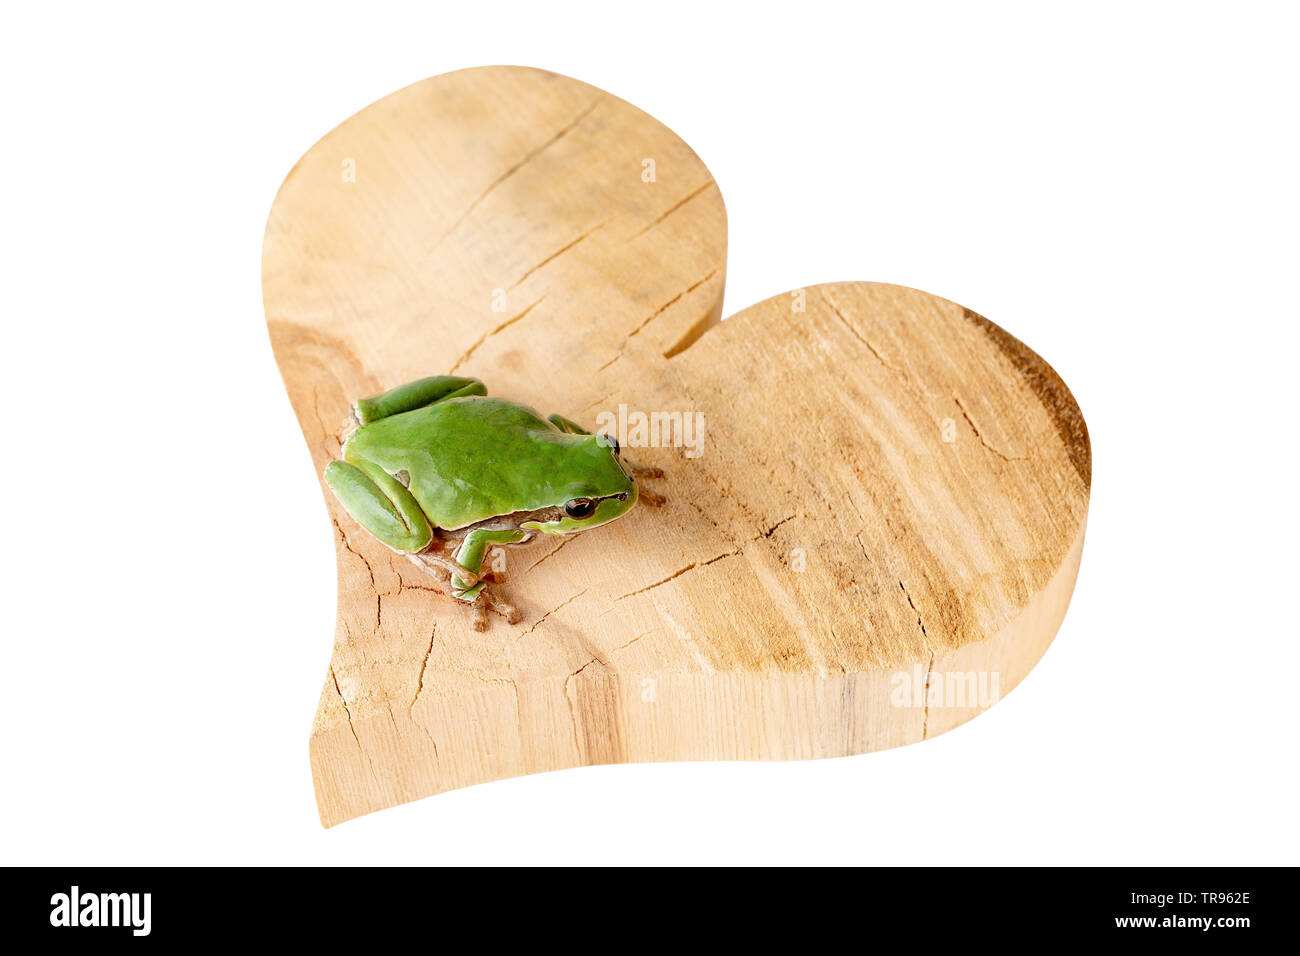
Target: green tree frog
[[437, 461]]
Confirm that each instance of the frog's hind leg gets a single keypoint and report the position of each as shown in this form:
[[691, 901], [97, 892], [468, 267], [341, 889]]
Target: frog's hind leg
[[381, 504], [417, 394]]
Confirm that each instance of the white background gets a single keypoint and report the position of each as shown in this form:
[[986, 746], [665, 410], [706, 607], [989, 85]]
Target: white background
[[1117, 187]]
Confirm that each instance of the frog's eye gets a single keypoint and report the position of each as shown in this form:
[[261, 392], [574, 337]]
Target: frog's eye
[[579, 507], [609, 441]]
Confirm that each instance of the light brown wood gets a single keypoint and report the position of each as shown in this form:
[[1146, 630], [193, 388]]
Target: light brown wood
[[890, 488]]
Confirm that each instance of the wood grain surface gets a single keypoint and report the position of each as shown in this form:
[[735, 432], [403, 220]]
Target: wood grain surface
[[889, 493]]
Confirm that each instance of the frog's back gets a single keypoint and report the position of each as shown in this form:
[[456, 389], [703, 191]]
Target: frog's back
[[469, 459]]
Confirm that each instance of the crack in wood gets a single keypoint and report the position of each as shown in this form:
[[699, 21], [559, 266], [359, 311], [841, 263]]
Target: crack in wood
[[419, 685], [657, 312], [925, 687], [556, 254], [677, 574], [672, 209], [533, 154], [347, 711], [487, 335], [983, 441], [549, 554], [550, 612], [904, 376]]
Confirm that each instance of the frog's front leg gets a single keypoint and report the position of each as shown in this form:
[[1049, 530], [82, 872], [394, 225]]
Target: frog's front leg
[[417, 394], [381, 504], [567, 425], [470, 556]]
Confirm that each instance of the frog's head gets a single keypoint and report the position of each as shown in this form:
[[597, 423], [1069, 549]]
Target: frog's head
[[598, 488]]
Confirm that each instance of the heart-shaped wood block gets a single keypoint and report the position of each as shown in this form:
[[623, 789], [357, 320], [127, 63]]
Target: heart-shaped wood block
[[873, 523]]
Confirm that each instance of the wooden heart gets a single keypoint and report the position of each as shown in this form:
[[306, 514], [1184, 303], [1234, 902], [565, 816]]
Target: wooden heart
[[878, 536]]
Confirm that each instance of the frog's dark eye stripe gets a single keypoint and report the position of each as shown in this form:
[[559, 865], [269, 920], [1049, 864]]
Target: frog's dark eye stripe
[[611, 441], [579, 507]]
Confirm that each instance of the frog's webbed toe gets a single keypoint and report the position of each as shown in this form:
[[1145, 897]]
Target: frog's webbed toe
[[486, 601], [506, 610], [652, 498], [480, 615], [483, 601]]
